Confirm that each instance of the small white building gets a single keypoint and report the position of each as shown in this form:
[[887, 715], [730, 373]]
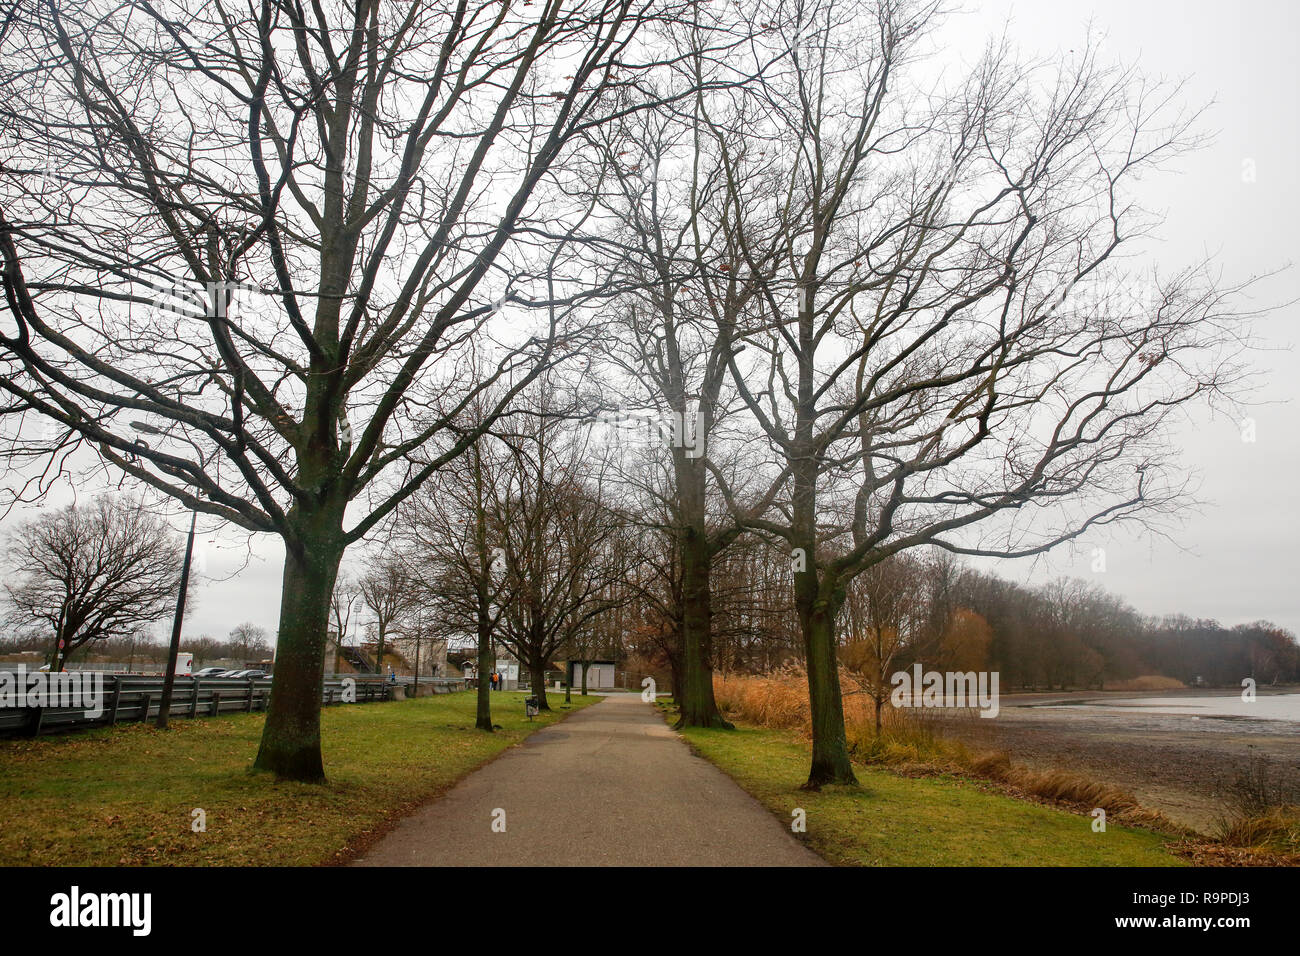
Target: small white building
[[508, 668], [600, 674]]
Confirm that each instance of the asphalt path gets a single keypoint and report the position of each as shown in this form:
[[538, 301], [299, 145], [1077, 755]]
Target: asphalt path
[[612, 785]]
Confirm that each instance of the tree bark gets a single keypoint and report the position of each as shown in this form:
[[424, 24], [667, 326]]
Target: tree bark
[[57, 656], [291, 738], [537, 673], [830, 753], [675, 669], [483, 713], [483, 598], [698, 707]]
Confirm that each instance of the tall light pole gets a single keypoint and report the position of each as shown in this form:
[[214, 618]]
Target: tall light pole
[[169, 678]]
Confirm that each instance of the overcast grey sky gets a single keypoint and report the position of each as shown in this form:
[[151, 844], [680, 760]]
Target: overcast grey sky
[[1236, 559]]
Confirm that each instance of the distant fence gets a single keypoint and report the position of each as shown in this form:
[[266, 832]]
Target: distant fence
[[131, 698]]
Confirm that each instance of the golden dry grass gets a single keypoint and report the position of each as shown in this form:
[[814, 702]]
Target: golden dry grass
[[1276, 829], [911, 745], [1147, 682]]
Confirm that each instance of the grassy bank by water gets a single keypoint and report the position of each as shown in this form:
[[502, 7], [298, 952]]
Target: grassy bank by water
[[895, 820], [126, 795]]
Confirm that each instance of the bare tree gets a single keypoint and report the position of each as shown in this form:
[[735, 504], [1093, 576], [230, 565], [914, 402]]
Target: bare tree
[[276, 234], [564, 548], [424, 644], [344, 601], [950, 340], [654, 581], [387, 589], [880, 611], [669, 194], [92, 572], [204, 648], [249, 641], [449, 545]]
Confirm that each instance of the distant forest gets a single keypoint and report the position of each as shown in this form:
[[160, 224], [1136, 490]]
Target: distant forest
[[931, 609]]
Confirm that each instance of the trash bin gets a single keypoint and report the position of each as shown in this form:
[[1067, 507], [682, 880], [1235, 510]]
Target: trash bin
[[531, 709]]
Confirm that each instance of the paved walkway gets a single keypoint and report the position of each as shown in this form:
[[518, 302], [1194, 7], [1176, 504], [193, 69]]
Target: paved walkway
[[611, 785]]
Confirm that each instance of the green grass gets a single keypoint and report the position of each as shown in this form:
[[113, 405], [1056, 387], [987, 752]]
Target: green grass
[[124, 795], [893, 820]]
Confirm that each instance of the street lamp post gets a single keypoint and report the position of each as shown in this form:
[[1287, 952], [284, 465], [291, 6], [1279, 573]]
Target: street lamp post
[[169, 678], [169, 681]]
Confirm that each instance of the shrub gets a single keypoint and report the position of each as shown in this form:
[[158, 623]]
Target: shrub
[[1258, 811]]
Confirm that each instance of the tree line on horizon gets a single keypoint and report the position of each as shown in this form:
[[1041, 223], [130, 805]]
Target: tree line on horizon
[[928, 608]]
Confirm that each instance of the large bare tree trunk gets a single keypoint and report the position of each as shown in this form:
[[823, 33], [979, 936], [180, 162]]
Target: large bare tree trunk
[[698, 707], [830, 753], [483, 712], [817, 604], [537, 675], [291, 738]]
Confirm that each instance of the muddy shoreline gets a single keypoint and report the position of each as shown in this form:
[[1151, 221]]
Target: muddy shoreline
[[1175, 763]]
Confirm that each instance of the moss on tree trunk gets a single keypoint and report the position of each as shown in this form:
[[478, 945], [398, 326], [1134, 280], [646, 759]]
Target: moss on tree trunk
[[830, 753]]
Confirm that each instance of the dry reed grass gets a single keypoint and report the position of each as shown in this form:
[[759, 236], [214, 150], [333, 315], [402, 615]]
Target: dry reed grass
[[1259, 811], [912, 745], [1147, 682], [1277, 828]]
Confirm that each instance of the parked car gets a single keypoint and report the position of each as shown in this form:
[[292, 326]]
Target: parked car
[[210, 672]]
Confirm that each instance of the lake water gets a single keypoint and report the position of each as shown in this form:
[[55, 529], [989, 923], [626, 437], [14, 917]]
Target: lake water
[[1264, 707]]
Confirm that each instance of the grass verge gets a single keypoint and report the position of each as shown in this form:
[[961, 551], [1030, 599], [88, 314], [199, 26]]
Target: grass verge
[[125, 795], [911, 745], [941, 820]]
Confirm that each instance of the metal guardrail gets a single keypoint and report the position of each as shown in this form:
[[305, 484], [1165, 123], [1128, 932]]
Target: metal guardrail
[[132, 698], [440, 685]]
